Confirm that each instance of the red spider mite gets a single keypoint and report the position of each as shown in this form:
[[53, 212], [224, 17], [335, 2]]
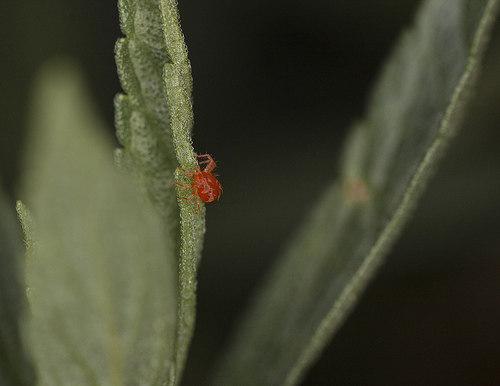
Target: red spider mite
[[204, 184]]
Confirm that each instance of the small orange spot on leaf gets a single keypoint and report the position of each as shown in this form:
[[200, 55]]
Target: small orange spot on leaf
[[356, 190]]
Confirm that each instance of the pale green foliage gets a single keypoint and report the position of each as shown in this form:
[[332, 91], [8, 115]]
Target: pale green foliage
[[413, 112], [101, 275], [142, 115], [116, 309], [111, 258], [154, 121]]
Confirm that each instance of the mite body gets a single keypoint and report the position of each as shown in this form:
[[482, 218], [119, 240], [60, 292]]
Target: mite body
[[205, 185]]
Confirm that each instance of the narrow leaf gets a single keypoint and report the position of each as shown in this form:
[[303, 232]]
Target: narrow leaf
[[414, 110], [192, 225], [178, 84], [101, 271], [154, 121], [176, 46]]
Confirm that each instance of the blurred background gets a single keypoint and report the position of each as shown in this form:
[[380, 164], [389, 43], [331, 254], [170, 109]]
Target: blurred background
[[276, 86]]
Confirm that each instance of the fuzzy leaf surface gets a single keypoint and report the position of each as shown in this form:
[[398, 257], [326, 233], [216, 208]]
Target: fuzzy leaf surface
[[101, 274], [154, 122]]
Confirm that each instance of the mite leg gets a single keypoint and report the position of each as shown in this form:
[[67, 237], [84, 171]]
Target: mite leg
[[197, 201], [210, 162], [184, 186]]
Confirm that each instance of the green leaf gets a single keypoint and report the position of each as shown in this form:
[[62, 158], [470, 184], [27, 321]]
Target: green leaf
[[178, 85], [414, 110], [101, 268], [192, 225], [154, 122], [15, 367]]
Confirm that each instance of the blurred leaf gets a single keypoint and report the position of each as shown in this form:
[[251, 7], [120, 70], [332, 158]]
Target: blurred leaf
[[15, 368], [154, 121], [414, 110], [101, 270]]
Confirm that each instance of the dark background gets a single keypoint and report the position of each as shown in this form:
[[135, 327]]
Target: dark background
[[276, 85]]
